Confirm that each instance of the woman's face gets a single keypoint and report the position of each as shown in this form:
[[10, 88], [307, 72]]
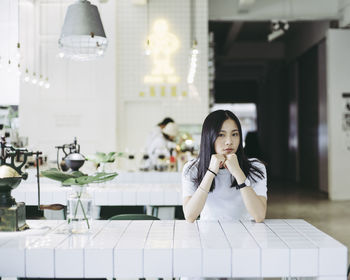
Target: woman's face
[[228, 139]]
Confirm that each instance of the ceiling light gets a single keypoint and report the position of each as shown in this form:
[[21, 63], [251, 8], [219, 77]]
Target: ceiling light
[[82, 37]]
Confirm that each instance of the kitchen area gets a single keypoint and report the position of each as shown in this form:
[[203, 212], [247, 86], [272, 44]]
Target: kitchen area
[[84, 89]]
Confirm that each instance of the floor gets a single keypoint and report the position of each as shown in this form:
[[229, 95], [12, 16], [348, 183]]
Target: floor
[[292, 202]]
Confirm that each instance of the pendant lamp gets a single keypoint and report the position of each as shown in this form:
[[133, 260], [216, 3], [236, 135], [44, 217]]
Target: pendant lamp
[[82, 37]]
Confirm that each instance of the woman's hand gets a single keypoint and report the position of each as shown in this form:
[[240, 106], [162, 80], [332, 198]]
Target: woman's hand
[[232, 165], [216, 161]]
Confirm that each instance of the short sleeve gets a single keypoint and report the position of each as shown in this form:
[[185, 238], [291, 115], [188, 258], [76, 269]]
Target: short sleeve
[[260, 186], [189, 172]]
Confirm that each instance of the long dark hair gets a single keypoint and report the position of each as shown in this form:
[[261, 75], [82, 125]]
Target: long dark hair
[[210, 131]]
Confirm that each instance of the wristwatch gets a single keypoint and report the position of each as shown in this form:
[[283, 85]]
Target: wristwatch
[[244, 184]]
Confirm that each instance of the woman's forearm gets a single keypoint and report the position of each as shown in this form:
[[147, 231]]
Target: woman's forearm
[[194, 206], [256, 206]]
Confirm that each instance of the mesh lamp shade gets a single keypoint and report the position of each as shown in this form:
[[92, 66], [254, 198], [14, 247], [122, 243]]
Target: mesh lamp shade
[[83, 37]]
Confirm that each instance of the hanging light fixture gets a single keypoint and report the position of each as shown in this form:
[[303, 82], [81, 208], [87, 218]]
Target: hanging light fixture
[[82, 37], [194, 47]]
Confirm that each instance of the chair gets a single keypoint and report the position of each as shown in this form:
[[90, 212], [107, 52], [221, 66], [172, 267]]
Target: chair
[[133, 217]]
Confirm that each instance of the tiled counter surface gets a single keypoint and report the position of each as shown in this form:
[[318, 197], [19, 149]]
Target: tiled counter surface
[[275, 248], [104, 194]]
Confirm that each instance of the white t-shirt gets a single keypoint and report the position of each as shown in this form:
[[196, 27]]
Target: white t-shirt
[[223, 203], [152, 135], [159, 146]]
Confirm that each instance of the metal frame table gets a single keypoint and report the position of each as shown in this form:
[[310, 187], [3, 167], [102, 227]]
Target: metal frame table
[[173, 248]]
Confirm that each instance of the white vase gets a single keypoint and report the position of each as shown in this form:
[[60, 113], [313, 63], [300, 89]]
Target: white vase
[[79, 210]]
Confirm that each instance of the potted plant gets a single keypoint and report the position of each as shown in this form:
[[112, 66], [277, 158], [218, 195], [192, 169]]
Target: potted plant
[[100, 159], [79, 202]]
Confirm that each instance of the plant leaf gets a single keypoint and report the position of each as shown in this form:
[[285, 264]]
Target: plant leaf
[[60, 176], [97, 178]]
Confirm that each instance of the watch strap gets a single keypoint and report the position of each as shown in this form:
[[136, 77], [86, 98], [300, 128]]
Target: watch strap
[[241, 186], [244, 184]]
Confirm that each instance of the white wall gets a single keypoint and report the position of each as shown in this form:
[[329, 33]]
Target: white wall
[[99, 102], [338, 82], [9, 81], [81, 101], [138, 115]]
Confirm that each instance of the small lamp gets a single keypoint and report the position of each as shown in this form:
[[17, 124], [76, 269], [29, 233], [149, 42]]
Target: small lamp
[[82, 37]]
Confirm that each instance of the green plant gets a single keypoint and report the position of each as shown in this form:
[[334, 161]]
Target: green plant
[[80, 179], [77, 177], [103, 157]]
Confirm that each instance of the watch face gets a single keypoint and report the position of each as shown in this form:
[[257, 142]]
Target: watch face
[[247, 182]]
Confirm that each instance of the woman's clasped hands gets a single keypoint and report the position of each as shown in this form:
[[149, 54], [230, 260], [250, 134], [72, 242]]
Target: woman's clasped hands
[[230, 162]]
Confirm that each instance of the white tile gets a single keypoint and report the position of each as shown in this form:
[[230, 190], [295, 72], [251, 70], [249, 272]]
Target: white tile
[[246, 262], [128, 254], [101, 197], [40, 256], [69, 255], [129, 195], [275, 258], [333, 261], [245, 251], [304, 262], [158, 250], [143, 195], [12, 259], [303, 253], [98, 255], [157, 196], [216, 250], [114, 196], [274, 262], [332, 254]]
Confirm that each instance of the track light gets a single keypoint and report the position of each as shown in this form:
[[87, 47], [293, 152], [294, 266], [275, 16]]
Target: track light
[[278, 28], [275, 34]]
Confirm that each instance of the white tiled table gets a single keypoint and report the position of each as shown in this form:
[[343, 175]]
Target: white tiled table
[[166, 195], [128, 188], [106, 194], [275, 248]]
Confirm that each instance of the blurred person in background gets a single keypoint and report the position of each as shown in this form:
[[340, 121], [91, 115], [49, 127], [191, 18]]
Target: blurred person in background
[[163, 144], [157, 130]]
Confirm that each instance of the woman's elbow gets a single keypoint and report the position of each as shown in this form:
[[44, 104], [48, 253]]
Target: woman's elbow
[[189, 218], [259, 218]]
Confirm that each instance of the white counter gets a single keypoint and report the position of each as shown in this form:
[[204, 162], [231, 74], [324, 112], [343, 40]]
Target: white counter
[[128, 188], [107, 194], [275, 248]]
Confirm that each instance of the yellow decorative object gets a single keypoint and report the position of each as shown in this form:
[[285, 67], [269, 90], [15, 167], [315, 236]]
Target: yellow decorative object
[[141, 94], [162, 91], [173, 91], [184, 93], [162, 44], [152, 91]]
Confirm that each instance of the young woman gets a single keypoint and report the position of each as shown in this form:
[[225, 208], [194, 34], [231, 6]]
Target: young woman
[[222, 183]]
